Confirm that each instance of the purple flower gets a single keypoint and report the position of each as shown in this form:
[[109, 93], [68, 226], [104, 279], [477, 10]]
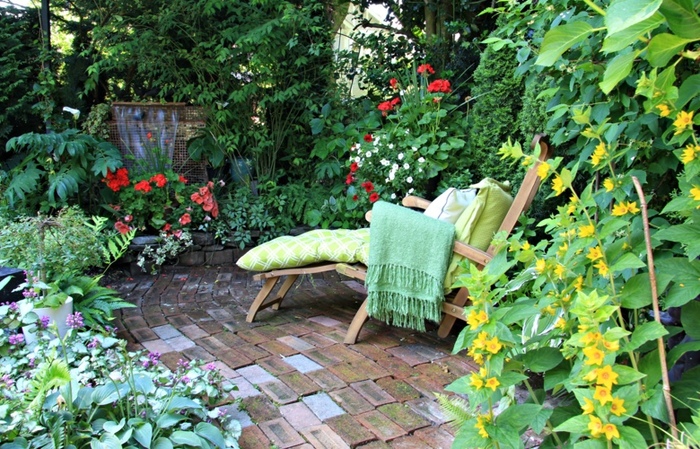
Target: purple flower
[[14, 307], [75, 320], [16, 339], [45, 321], [185, 380], [210, 366], [7, 380], [93, 344], [31, 362], [153, 358], [183, 364]]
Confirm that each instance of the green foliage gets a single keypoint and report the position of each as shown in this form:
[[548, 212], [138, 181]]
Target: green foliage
[[64, 245], [52, 398], [19, 53], [95, 302], [58, 169], [576, 306]]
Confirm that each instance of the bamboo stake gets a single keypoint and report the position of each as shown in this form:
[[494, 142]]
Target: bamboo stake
[[655, 303]]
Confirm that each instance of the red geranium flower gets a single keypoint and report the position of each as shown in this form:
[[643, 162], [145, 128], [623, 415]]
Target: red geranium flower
[[385, 107], [374, 196], [368, 186], [115, 181], [426, 69], [355, 197], [182, 179], [368, 138], [123, 228], [393, 83], [166, 227], [395, 101], [439, 86], [349, 179], [128, 218], [149, 134], [354, 167], [143, 186], [159, 179], [185, 219]]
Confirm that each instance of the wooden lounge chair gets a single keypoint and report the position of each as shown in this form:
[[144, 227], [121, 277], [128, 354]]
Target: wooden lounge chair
[[453, 306]]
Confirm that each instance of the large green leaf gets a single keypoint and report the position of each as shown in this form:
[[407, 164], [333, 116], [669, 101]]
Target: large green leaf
[[181, 437], [162, 443], [616, 71], [636, 293], [630, 438], [629, 35], [644, 333], [542, 359], [687, 234], [143, 434], [577, 424], [627, 374], [690, 318], [686, 275], [628, 260], [688, 90], [518, 416], [561, 38], [210, 433], [663, 47], [622, 14], [682, 18]]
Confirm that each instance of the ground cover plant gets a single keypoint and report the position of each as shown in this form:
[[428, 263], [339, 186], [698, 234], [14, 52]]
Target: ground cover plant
[[86, 390], [582, 308]]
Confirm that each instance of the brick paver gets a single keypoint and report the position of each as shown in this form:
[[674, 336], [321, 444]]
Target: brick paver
[[297, 384]]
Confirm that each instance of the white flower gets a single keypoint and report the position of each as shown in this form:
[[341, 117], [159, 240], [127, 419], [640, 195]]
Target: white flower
[[414, 149], [357, 159], [74, 112], [421, 159], [393, 196], [386, 180], [409, 179], [400, 156], [395, 167], [406, 166], [368, 154], [420, 170], [390, 146], [410, 191], [384, 162], [392, 175]]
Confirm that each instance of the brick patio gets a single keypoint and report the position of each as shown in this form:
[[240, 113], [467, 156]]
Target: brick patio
[[299, 386]]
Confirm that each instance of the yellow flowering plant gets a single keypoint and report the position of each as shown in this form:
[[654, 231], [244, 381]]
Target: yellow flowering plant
[[581, 309]]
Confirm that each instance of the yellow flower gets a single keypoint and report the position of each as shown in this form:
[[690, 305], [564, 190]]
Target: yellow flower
[[605, 376], [492, 383], [602, 394], [560, 270], [594, 356], [587, 406], [595, 426], [480, 340], [578, 284], [480, 421], [543, 170], [594, 253], [695, 193], [619, 209], [602, 267], [493, 345], [540, 266], [689, 153], [599, 153], [589, 229], [558, 185], [664, 111], [617, 407], [609, 184], [476, 319], [476, 381], [560, 324], [591, 338], [632, 207], [563, 248], [549, 310], [683, 120], [526, 246], [611, 346], [610, 431]]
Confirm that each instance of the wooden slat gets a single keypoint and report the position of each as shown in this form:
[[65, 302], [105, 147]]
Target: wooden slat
[[309, 269]]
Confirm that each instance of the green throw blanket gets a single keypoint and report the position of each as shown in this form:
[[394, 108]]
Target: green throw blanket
[[408, 258]]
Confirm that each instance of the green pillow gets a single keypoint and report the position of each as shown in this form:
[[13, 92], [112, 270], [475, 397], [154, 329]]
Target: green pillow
[[480, 221], [338, 245]]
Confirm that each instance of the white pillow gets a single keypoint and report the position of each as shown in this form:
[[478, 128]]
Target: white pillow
[[450, 204]]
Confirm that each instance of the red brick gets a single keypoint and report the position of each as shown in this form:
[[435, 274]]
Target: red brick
[[351, 431], [398, 389], [351, 401], [279, 348], [384, 428], [404, 416], [253, 438], [435, 437]]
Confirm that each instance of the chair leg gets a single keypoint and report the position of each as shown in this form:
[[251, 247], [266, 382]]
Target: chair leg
[[284, 289], [360, 319], [448, 320], [260, 299]]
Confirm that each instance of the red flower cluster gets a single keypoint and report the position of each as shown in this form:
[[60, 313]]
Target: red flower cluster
[[442, 86], [425, 69], [394, 83], [115, 181], [123, 228], [368, 138], [185, 219], [143, 186], [368, 186], [388, 105], [159, 179], [205, 197]]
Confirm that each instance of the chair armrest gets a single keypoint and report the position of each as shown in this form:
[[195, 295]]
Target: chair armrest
[[474, 254], [415, 201]]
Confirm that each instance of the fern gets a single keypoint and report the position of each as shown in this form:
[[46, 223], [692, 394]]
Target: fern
[[50, 376], [24, 181], [116, 246], [456, 408]]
